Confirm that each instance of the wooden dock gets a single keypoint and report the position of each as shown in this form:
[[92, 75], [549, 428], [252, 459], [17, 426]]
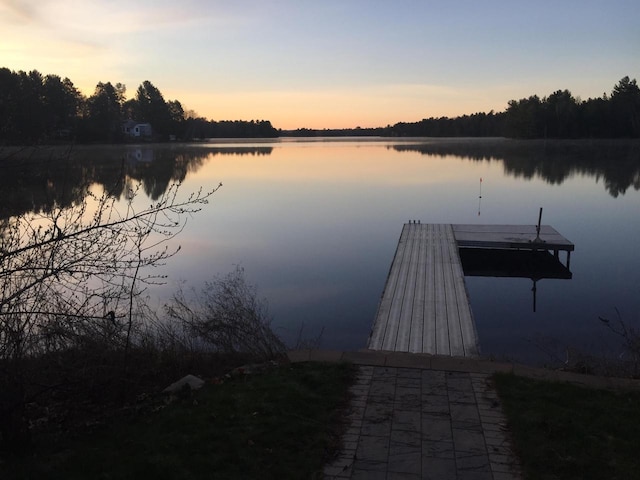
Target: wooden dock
[[513, 237], [425, 306]]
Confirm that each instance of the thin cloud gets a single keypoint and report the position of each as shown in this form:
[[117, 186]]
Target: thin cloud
[[19, 10]]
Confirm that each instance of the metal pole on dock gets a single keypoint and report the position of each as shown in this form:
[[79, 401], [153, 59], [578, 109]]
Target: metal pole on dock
[[538, 227]]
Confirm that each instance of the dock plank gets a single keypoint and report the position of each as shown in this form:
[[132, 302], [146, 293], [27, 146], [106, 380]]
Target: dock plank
[[417, 318], [467, 324], [429, 317], [407, 302], [381, 326], [442, 326]]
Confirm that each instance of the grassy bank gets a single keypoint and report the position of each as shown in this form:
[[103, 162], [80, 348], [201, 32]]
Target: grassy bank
[[563, 431], [281, 423]]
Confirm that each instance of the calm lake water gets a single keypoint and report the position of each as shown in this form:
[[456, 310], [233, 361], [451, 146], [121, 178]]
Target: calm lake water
[[315, 224]]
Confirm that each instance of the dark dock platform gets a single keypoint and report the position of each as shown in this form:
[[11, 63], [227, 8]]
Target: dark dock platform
[[425, 306]]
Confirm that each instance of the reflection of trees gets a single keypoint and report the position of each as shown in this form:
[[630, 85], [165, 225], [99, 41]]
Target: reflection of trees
[[617, 163], [37, 180]]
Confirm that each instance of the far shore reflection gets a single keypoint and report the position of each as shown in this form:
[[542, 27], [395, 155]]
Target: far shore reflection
[[38, 179], [35, 180], [616, 162]]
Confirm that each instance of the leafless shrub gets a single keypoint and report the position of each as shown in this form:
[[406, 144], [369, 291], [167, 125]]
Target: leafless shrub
[[227, 316], [69, 283], [629, 357]]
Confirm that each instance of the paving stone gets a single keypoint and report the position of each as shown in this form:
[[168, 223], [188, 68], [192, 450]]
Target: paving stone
[[464, 412], [506, 476], [359, 390], [412, 385], [373, 448], [378, 388], [378, 412], [405, 462], [365, 370], [468, 441], [460, 396], [476, 462], [406, 420], [369, 466], [435, 404], [405, 452], [438, 449], [433, 375], [470, 427], [368, 474], [414, 373], [380, 399], [414, 422], [385, 372], [452, 375], [408, 404], [473, 475], [403, 476], [436, 428], [407, 395], [405, 439], [438, 468], [378, 429]]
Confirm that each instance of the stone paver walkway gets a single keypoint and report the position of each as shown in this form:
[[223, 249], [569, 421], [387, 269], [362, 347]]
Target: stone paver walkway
[[410, 423], [420, 416]]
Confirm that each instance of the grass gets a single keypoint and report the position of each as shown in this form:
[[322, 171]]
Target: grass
[[281, 424], [562, 431]]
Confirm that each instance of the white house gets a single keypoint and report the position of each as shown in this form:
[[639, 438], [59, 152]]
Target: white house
[[131, 128]]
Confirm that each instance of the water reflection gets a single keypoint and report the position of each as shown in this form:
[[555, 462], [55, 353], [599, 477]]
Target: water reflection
[[535, 265], [36, 180], [316, 224], [617, 163]]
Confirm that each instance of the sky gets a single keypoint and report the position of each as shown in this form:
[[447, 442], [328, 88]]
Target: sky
[[329, 63]]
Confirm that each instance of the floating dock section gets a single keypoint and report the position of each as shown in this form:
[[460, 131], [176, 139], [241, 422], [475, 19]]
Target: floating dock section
[[425, 306]]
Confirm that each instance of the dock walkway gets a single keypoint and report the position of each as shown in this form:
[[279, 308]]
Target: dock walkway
[[425, 305]]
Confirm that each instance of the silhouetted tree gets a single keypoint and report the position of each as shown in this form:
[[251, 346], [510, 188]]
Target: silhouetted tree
[[560, 115], [62, 102], [625, 108], [153, 109], [523, 118], [104, 113]]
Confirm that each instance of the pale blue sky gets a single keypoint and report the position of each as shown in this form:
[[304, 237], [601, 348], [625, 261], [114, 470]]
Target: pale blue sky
[[329, 63]]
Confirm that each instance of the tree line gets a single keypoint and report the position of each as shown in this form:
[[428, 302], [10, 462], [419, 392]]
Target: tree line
[[36, 108], [559, 115]]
